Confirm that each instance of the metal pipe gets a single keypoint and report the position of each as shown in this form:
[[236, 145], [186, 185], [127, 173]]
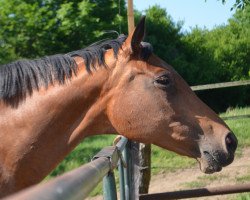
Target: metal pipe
[[126, 155], [122, 143], [220, 85], [74, 185], [121, 180], [109, 187], [230, 189]]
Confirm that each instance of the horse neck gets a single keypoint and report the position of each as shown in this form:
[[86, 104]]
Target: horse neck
[[49, 124], [77, 105]]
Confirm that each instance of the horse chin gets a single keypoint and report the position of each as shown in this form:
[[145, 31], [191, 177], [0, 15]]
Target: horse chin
[[208, 164]]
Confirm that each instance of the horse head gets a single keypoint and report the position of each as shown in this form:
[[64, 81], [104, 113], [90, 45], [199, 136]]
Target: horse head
[[151, 103]]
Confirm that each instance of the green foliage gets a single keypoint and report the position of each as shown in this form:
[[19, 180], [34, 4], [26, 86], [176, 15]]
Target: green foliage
[[198, 66], [239, 4], [43, 27], [219, 55], [223, 53]]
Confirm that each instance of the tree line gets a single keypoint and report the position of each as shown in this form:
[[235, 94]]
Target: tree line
[[37, 28]]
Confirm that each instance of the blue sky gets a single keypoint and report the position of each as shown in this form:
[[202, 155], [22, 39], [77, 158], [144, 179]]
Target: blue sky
[[193, 12]]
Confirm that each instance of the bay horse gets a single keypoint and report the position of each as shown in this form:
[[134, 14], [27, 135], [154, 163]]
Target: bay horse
[[118, 86]]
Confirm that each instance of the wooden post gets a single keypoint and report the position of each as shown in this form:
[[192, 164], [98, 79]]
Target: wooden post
[[145, 167], [130, 14], [132, 172], [144, 153]]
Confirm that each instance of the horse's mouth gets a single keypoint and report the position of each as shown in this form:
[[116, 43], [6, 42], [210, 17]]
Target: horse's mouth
[[209, 164]]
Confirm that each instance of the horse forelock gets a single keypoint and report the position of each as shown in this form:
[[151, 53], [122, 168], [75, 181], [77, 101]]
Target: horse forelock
[[19, 78]]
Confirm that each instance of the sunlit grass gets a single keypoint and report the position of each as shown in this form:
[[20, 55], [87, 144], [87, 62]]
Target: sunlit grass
[[166, 161], [243, 196], [194, 184], [241, 126]]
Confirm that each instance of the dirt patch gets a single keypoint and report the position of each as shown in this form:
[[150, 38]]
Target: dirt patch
[[237, 172]]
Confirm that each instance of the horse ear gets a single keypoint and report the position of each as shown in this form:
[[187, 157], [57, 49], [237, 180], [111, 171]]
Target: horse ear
[[138, 35]]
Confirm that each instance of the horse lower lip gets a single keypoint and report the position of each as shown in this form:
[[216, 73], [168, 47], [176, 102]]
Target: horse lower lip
[[212, 167], [213, 164]]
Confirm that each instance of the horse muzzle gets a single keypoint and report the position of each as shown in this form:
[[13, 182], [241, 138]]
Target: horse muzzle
[[213, 159]]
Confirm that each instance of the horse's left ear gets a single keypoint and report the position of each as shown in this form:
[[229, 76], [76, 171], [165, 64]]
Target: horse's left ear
[[138, 35]]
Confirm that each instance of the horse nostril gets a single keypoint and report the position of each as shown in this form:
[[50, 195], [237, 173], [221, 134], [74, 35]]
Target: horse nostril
[[231, 142]]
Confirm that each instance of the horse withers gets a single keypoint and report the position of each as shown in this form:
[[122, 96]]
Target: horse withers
[[120, 86]]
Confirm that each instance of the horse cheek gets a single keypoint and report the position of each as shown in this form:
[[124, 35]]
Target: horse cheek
[[134, 116]]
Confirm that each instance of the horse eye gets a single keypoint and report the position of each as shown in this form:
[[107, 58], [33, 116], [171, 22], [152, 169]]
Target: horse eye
[[163, 80]]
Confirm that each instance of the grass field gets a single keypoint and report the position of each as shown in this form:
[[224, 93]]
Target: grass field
[[162, 160]]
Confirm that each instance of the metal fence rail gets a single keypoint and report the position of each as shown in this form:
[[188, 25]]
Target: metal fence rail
[[220, 85], [78, 183], [200, 192], [72, 185]]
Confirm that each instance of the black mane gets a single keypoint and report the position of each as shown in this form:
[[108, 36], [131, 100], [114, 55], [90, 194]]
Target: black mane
[[17, 79]]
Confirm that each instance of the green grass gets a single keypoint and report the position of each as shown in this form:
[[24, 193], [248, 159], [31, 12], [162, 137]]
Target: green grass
[[243, 196], [162, 160], [243, 179], [194, 184], [203, 181], [241, 127], [211, 177], [166, 161]]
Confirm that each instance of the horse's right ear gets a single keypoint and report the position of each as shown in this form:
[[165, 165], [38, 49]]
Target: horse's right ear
[[137, 36]]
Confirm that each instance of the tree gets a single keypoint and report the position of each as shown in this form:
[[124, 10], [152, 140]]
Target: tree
[[220, 55], [239, 4], [40, 27]]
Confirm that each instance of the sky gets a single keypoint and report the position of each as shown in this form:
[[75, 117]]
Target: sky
[[193, 12]]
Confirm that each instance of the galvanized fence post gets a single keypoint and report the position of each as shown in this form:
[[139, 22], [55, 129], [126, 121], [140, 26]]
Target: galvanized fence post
[[109, 187], [126, 155], [131, 172], [121, 180]]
